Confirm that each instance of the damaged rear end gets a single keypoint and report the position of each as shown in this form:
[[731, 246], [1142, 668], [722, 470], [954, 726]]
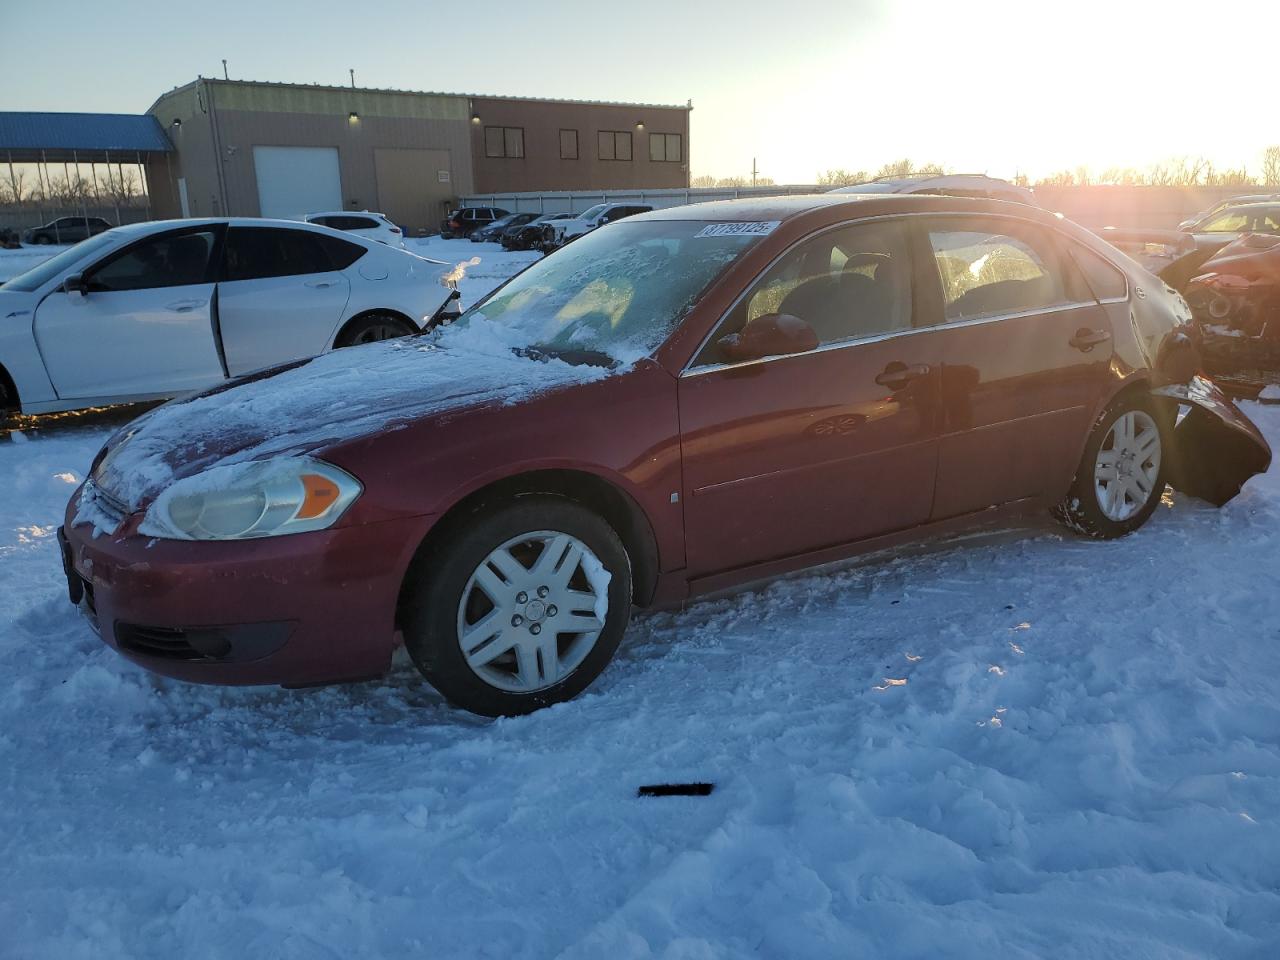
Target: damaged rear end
[[1215, 448]]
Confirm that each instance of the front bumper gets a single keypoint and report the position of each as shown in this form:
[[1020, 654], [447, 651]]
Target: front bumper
[[296, 610]]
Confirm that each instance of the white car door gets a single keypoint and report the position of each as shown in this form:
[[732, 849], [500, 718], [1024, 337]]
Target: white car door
[[281, 294], [143, 325]]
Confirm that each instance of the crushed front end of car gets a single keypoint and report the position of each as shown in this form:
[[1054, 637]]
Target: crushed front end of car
[[1235, 301]]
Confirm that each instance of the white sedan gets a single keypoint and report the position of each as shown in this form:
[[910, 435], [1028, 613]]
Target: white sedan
[[157, 309]]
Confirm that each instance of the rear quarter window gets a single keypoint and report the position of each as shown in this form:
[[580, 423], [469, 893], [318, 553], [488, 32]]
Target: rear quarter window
[[341, 253], [1106, 281]]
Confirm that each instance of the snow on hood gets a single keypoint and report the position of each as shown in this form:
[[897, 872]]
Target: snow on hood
[[330, 399]]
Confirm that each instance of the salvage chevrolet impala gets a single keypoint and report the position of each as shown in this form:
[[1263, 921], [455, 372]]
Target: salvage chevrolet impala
[[687, 400]]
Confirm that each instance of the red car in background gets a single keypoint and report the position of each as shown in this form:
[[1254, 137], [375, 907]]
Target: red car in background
[[1235, 299], [686, 400]]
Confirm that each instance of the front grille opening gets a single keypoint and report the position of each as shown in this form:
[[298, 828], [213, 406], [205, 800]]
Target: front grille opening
[[239, 643], [173, 643]]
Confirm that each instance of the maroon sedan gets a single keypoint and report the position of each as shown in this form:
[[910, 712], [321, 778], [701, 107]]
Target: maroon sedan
[[683, 401]]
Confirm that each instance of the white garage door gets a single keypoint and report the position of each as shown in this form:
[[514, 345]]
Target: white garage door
[[293, 181]]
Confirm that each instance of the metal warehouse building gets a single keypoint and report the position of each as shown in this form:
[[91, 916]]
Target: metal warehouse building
[[243, 148]]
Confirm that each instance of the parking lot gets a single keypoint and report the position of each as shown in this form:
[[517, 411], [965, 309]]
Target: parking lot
[[1079, 737]]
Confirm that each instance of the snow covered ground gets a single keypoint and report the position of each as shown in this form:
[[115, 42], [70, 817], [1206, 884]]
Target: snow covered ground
[[1021, 745]]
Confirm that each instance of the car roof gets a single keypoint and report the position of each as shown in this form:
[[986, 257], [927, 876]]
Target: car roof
[[755, 209], [1252, 206], [345, 213], [158, 226]]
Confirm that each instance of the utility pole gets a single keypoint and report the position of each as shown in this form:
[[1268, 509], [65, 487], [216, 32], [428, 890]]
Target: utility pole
[[352, 71], [753, 171], [224, 71]]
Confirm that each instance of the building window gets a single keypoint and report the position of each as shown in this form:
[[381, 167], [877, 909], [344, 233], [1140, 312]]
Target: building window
[[614, 144], [665, 148], [568, 144], [504, 142]]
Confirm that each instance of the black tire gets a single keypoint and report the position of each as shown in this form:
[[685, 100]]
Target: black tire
[[433, 597], [1082, 510], [42, 240], [373, 328]]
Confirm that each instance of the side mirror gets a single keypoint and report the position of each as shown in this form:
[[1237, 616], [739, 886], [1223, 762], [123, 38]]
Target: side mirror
[[769, 335], [75, 285]]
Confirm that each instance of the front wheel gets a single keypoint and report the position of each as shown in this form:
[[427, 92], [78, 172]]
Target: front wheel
[[522, 607], [1122, 473]]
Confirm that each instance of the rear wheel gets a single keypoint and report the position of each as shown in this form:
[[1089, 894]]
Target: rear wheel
[[1122, 473], [43, 239], [373, 328], [521, 608]]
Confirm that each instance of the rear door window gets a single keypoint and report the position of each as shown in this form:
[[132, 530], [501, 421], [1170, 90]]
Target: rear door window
[[169, 260], [993, 267], [256, 253]]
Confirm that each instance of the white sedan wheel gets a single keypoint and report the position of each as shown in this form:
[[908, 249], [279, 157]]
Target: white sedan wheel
[[532, 611], [1127, 467]]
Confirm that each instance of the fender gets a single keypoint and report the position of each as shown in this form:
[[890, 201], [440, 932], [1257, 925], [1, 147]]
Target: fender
[[19, 353], [1216, 448]]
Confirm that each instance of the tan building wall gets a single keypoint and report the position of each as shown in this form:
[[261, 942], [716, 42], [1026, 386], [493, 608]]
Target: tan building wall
[[543, 168], [410, 155], [397, 135]]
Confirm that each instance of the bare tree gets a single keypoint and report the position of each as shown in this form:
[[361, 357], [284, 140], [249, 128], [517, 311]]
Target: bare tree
[[14, 189], [897, 168], [705, 180], [1230, 177], [840, 177], [1271, 166], [121, 185]]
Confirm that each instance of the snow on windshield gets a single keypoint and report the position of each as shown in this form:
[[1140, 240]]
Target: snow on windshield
[[619, 291]]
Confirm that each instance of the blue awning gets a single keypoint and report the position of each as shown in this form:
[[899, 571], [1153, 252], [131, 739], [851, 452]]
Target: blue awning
[[92, 133]]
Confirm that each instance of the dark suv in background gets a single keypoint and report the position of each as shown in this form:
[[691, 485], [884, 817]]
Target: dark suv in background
[[493, 232], [66, 230], [465, 220]]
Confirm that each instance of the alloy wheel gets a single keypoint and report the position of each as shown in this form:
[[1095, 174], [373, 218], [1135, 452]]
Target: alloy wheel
[[1127, 466], [532, 611], [380, 331]]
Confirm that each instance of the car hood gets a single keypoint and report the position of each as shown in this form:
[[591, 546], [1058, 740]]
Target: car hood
[[16, 302], [319, 403]]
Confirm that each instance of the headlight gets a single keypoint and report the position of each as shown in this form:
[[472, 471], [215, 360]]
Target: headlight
[[268, 498]]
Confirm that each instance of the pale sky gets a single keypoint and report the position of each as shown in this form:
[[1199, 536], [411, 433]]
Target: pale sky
[[995, 86]]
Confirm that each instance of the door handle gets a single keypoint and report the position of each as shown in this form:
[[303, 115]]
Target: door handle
[[320, 284], [1086, 339], [184, 306], [897, 375]]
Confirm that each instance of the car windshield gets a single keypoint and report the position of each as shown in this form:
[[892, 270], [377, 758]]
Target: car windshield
[[590, 212], [1227, 221], [612, 296], [42, 273]]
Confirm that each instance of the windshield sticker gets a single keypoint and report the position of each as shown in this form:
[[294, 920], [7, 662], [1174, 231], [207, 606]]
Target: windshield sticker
[[760, 228]]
